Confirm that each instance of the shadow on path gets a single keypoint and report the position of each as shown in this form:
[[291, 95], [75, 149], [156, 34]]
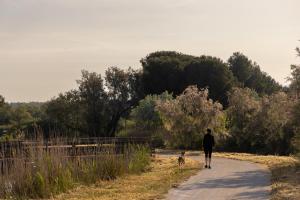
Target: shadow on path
[[228, 180], [249, 179]]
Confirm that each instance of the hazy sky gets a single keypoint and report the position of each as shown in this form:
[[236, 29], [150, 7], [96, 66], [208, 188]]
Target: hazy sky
[[44, 44]]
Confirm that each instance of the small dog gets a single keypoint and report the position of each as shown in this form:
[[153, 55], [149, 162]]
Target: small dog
[[181, 159]]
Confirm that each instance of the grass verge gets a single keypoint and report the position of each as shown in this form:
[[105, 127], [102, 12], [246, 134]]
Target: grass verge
[[285, 172], [36, 173], [162, 175]]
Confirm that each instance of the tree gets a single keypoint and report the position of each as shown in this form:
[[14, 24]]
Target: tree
[[260, 124], [20, 120], [94, 99], [65, 115], [145, 121], [295, 87], [145, 115], [2, 101], [272, 130], [240, 66], [124, 92], [97, 106], [296, 127], [243, 107], [173, 72], [294, 80], [189, 114], [250, 75], [5, 115], [163, 71], [212, 73]]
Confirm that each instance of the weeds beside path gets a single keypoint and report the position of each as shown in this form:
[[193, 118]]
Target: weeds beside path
[[285, 173], [152, 184]]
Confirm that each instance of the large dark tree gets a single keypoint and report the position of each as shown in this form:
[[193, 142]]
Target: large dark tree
[[164, 71], [97, 106], [64, 115], [5, 112], [212, 73], [173, 72], [124, 91], [294, 79], [250, 75], [94, 98], [2, 100]]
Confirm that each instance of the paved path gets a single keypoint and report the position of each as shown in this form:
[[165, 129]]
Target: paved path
[[227, 180]]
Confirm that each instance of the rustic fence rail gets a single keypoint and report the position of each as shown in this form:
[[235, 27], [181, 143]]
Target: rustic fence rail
[[85, 148]]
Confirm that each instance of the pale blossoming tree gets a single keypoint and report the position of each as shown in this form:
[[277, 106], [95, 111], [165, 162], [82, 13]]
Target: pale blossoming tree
[[188, 115]]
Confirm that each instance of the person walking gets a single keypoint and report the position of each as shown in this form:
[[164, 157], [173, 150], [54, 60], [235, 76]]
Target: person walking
[[208, 143]]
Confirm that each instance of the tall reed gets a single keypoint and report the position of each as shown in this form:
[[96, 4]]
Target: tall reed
[[42, 169]]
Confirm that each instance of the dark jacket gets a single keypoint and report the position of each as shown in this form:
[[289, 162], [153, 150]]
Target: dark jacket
[[208, 141]]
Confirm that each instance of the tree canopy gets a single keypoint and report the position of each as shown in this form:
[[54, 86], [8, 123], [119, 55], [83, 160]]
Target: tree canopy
[[168, 101], [249, 75], [173, 72], [189, 114], [260, 124], [95, 108]]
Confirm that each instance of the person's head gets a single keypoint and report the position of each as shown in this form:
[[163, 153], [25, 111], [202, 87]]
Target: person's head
[[208, 131], [182, 153]]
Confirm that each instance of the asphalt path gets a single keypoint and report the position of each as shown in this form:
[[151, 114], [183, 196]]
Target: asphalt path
[[227, 180]]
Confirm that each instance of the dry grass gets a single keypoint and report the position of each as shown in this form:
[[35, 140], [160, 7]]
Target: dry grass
[[153, 184], [36, 171], [285, 173]]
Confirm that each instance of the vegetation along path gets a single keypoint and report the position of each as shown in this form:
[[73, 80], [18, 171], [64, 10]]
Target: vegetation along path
[[227, 180]]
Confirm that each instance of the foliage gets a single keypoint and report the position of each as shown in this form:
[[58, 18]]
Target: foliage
[[212, 73], [260, 124], [272, 128], [5, 112], [243, 107], [145, 115], [163, 71], [188, 115], [2, 100], [124, 92], [95, 108], [93, 96], [34, 108], [19, 120], [65, 113], [15, 120], [294, 80], [259, 119], [173, 72], [295, 89], [296, 126], [145, 121], [249, 75]]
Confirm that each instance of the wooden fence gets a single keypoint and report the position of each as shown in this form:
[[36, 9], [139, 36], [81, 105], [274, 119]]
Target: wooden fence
[[17, 150]]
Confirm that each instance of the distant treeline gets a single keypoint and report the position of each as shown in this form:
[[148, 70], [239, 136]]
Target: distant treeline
[[106, 106]]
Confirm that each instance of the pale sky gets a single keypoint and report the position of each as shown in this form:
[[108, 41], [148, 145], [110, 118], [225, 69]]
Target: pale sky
[[44, 44]]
